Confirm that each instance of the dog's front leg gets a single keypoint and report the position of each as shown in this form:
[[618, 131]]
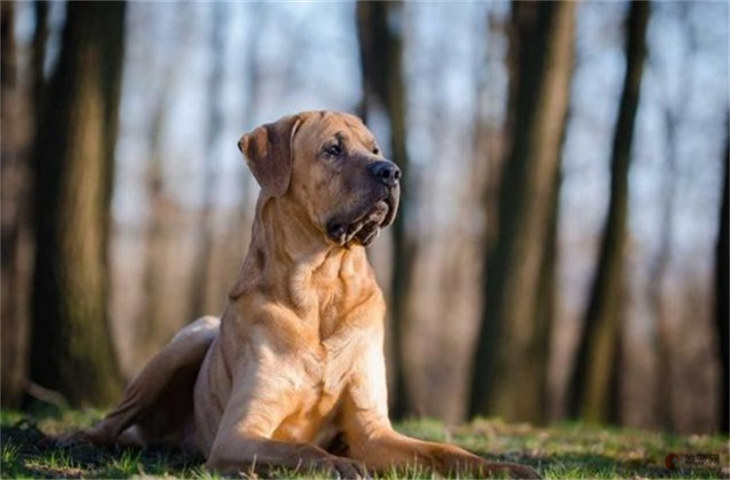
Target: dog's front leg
[[387, 449], [371, 439], [242, 452], [246, 438]]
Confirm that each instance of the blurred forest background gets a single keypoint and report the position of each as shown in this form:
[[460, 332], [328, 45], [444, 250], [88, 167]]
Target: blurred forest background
[[561, 249]]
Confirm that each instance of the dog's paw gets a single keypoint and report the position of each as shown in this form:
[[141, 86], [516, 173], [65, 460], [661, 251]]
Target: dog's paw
[[74, 439], [342, 467]]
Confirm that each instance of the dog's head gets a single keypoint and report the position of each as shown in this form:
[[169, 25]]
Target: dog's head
[[330, 164]]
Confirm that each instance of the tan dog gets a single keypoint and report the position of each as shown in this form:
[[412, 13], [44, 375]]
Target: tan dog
[[293, 374]]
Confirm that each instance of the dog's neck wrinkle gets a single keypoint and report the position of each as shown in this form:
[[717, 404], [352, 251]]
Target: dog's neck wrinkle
[[291, 239], [298, 261]]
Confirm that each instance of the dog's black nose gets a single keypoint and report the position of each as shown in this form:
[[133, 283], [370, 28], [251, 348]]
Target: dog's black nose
[[387, 172]]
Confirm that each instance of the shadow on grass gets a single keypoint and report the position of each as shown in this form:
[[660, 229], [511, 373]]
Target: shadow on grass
[[28, 452]]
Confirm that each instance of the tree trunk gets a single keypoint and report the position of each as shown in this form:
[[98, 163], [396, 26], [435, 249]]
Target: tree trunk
[[515, 327], [19, 114], [72, 351], [721, 294], [547, 304], [590, 387], [14, 178], [381, 50], [663, 391]]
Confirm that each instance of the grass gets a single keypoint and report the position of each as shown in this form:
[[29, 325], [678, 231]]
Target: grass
[[567, 450]]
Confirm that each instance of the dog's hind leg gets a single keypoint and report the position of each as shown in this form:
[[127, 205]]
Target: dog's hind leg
[[159, 401]]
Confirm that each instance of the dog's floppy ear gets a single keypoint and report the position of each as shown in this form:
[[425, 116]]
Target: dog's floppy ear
[[268, 153]]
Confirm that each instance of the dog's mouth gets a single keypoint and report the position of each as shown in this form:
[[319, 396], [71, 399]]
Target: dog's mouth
[[366, 227]]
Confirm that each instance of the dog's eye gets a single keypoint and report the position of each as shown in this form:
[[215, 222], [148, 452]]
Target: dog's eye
[[334, 150], [376, 151]]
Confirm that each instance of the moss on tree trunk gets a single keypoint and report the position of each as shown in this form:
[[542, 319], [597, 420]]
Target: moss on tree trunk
[[72, 351]]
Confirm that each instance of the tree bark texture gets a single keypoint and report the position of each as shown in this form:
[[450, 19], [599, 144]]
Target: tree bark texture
[[591, 381], [509, 375], [72, 351], [381, 49]]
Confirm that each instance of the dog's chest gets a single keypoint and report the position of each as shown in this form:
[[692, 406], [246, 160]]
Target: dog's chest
[[313, 416], [317, 398]]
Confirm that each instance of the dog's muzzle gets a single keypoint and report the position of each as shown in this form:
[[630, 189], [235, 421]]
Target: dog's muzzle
[[365, 225]]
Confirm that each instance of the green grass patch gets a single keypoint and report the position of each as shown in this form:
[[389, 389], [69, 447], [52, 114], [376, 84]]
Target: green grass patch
[[569, 450]]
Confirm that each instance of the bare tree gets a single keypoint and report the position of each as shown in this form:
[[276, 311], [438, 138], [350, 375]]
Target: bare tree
[[236, 223], [515, 327], [199, 285], [596, 365], [661, 261], [14, 320], [722, 315], [381, 52], [151, 328], [72, 351], [658, 273], [19, 113]]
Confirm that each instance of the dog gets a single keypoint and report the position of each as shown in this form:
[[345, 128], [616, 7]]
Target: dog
[[293, 373]]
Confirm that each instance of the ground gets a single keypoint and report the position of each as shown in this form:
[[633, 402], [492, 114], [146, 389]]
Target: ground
[[562, 451]]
